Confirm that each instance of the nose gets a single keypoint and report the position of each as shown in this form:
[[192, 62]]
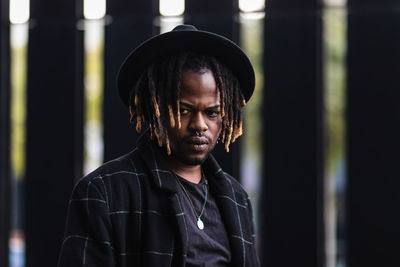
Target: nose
[[198, 122]]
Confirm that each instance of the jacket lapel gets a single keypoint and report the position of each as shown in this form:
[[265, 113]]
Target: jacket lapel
[[182, 229], [165, 180], [161, 176], [225, 196]]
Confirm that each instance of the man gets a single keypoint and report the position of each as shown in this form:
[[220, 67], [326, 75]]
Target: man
[[168, 203]]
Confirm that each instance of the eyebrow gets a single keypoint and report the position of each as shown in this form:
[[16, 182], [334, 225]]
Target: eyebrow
[[191, 106]]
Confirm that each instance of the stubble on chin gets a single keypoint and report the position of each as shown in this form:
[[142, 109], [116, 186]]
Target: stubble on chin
[[190, 161]]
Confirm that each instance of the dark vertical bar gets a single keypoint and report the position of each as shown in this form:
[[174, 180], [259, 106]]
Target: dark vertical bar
[[373, 133], [207, 7], [215, 16], [290, 206], [320, 151], [4, 131], [132, 9], [78, 92], [131, 24], [51, 127], [218, 17]]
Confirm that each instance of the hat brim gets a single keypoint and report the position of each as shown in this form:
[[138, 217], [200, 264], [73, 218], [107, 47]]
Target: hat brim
[[202, 42]]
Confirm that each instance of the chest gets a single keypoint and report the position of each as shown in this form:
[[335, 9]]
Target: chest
[[151, 226]]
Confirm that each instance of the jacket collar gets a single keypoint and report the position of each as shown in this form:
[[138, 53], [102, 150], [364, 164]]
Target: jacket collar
[[154, 159]]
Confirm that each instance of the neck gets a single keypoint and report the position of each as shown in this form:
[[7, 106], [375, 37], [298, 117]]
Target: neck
[[188, 172]]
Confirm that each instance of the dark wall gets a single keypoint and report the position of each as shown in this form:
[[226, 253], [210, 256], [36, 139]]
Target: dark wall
[[52, 149], [373, 133], [291, 211], [131, 24], [293, 136]]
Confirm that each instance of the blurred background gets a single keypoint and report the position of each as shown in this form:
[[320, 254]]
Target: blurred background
[[320, 151]]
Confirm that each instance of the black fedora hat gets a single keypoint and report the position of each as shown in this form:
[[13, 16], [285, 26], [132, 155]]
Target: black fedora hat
[[186, 38]]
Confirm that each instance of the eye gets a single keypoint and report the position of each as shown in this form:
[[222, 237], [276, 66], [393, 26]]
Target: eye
[[184, 111], [212, 113]]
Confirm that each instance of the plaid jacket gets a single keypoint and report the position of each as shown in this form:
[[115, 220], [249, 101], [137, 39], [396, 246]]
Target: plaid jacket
[[128, 213]]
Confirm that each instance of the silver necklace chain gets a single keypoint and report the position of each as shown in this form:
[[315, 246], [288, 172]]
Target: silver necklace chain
[[200, 223]]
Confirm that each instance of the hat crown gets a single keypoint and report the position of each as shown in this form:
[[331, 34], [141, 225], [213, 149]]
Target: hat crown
[[185, 27], [186, 38]]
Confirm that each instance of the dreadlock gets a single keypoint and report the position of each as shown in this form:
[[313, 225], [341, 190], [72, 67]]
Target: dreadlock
[[155, 96]]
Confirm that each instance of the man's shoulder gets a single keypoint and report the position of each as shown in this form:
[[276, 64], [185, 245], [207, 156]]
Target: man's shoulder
[[237, 186], [122, 167], [124, 163]]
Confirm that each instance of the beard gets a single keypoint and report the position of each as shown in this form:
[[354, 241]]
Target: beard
[[191, 161]]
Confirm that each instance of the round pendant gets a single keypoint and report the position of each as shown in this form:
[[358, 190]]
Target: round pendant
[[200, 224]]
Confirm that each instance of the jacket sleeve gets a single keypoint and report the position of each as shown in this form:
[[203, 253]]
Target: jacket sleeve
[[253, 234], [88, 233]]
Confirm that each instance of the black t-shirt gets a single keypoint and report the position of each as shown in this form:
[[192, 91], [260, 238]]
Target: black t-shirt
[[210, 246]]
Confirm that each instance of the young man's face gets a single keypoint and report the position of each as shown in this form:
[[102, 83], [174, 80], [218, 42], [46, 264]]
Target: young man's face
[[201, 120]]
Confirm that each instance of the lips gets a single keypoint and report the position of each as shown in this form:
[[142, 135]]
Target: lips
[[198, 140], [198, 143]]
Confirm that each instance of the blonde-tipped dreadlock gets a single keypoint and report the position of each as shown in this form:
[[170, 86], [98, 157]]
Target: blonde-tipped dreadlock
[[171, 116], [155, 96]]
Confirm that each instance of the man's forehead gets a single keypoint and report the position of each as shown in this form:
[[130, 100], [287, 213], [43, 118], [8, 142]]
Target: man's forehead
[[195, 85]]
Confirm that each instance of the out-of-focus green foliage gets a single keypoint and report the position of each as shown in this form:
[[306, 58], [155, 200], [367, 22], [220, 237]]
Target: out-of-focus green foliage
[[252, 42], [334, 32], [93, 77], [18, 73], [334, 85]]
